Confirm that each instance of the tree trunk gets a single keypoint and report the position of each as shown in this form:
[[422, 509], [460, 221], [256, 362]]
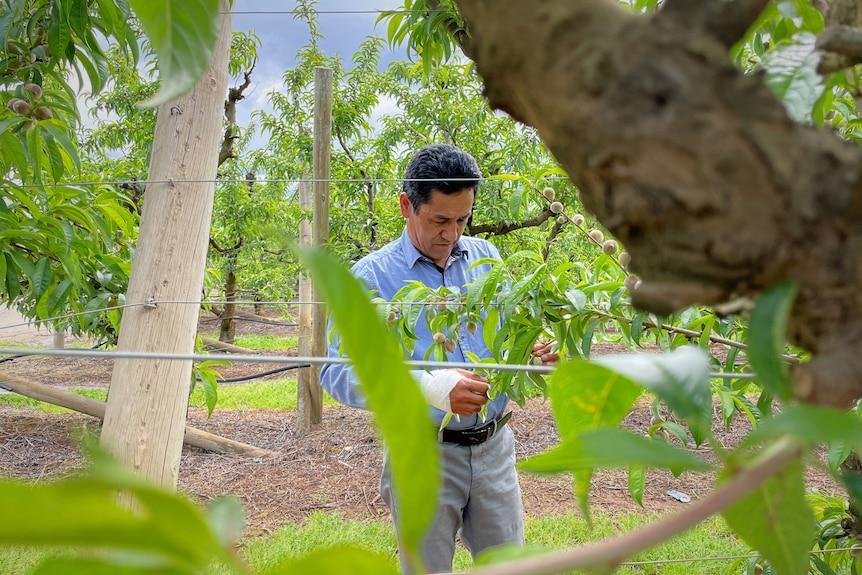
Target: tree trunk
[[693, 165], [227, 326], [146, 411]]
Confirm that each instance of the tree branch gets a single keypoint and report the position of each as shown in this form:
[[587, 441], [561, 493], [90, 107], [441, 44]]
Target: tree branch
[[235, 95], [504, 227], [695, 167], [607, 554], [555, 231], [725, 21], [459, 33], [369, 187]]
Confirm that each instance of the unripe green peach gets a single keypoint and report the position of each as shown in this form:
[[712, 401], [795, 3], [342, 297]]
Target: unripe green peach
[[549, 194], [12, 48], [625, 259], [471, 327], [12, 103], [449, 346], [43, 113], [441, 306], [561, 219], [631, 282], [392, 316], [439, 337], [578, 219], [856, 550], [21, 107], [597, 236], [537, 360], [610, 247], [34, 89], [556, 207]]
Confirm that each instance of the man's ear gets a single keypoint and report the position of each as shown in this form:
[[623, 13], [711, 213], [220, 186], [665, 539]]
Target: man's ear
[[406, 206]]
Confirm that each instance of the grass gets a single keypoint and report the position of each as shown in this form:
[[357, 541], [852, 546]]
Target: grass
[[269, 394], [269, 342], [321, 530]]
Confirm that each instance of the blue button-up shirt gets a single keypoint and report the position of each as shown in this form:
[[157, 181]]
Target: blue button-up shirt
[[386, 271]]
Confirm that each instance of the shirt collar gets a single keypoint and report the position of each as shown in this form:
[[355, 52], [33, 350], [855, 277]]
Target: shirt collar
[[412, 255]]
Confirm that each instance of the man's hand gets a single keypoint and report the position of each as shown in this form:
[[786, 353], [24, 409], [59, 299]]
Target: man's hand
[[469, 394], [542, 350]]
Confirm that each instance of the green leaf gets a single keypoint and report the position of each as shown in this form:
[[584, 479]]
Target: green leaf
[[226, 517], [680, 379], [791, 72], [811, 425], [509, 552], [85, 512], [391, 391], [853, 482], [183, 35], [613, 447], [40, 279], [637, 483], [586, 395], [340, 560], [776, 520], [515, 203], [766, 337]]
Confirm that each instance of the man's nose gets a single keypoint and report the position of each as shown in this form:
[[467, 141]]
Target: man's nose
[[450, 232]]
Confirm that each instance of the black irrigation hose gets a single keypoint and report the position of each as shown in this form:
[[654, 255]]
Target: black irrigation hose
[[262, 374], [240, 318]]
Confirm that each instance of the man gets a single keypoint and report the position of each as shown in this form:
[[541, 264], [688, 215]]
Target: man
[[480, 494]]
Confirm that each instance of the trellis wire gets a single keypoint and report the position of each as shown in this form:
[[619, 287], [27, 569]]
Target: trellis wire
[[542, 369], [723, 558], [173, 181]]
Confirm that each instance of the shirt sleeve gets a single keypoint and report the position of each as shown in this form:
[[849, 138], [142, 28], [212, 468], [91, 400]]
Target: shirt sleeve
[[339, 379]]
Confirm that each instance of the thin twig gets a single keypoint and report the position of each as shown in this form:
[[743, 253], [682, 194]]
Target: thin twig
[[610, 553]]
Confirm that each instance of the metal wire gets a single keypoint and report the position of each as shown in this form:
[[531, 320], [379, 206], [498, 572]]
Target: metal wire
[[261, 359], [541, 369], [724, 558], [172, 181], [302, 12]]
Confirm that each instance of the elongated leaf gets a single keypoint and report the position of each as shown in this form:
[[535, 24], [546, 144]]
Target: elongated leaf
[[791, 72], [183, 35], [85, 512], [776, 520], [680, 379], [637, 483], [586, 395], [392, 393], [766, 337], [612, 447], [340, 560], [811, 425]]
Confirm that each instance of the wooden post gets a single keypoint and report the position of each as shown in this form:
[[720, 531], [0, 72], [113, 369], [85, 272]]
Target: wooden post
[[306, 409], [145, 417], [321, 162]]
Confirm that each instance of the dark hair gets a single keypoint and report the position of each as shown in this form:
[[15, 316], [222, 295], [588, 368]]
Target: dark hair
[[432, 166]]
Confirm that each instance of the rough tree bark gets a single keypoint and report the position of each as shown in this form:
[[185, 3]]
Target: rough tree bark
[[146, 410], [696, 167]]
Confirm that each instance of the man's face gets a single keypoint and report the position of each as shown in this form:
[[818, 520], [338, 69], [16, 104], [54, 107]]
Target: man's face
[[439, 223]]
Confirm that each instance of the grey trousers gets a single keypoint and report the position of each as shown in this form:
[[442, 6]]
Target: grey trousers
[[479, 495]]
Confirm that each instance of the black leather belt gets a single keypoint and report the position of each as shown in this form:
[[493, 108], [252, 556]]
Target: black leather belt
[[474, 435]]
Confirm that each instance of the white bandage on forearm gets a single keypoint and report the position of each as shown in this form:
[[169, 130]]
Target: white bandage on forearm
[[437, 385]]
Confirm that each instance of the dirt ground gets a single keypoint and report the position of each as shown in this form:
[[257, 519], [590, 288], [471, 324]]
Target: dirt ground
[[335, 468]]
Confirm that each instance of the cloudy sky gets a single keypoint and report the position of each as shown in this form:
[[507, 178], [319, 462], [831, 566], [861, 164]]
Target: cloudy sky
[[345, 24]]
